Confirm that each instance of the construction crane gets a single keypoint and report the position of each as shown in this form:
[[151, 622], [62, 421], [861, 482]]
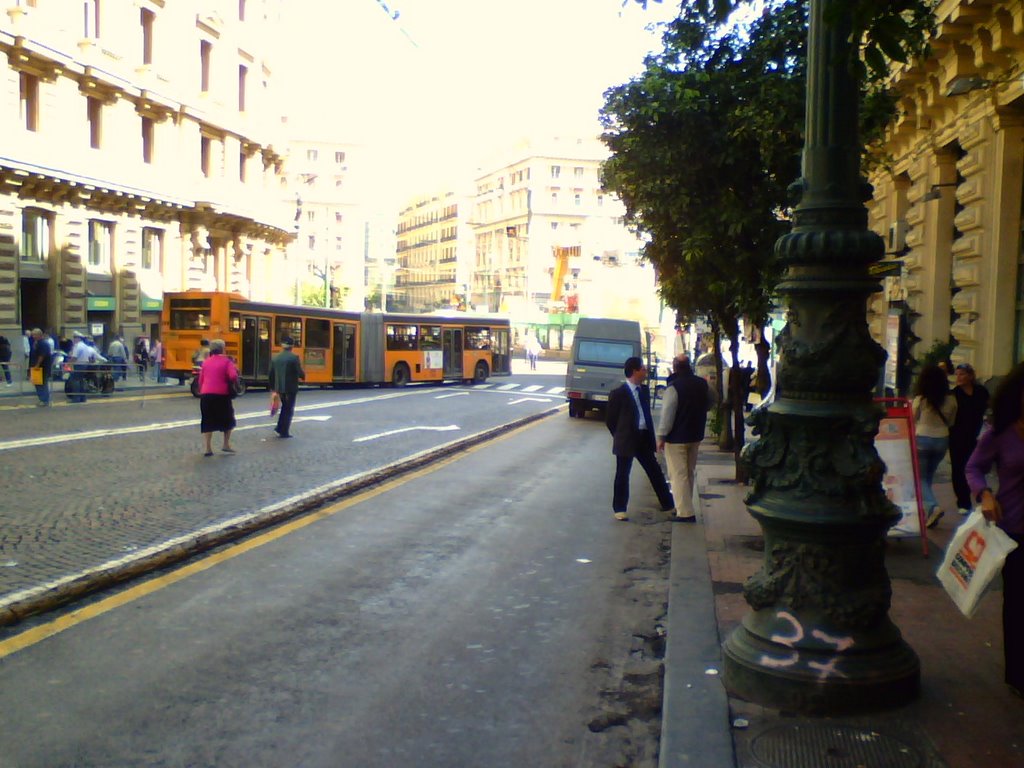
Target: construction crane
[[562, 254]]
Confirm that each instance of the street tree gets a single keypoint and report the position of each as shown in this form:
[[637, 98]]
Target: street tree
[[704, 144]]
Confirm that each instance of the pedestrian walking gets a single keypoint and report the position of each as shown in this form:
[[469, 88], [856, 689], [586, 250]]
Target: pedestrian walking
[[42, 358], [157, 358], [5, 359], [684, 416], [285, 374], [217, 380], [140, 356], [1002, 447], [117, 354], [533, 350], [934, 413], [629, 420], [971, 403]]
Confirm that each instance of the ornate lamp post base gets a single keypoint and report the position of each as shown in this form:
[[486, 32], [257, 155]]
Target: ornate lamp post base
[[819, 681]]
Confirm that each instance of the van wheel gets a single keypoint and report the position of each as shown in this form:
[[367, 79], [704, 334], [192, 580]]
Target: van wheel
[[400, 375], [480, 372]]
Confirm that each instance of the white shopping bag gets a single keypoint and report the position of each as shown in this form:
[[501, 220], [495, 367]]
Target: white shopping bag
[[975, 553]]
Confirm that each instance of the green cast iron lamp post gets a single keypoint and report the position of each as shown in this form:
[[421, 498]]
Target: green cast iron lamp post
[[819, 639]]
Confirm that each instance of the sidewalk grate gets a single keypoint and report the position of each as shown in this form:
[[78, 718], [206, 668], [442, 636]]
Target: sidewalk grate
[[831, 746]]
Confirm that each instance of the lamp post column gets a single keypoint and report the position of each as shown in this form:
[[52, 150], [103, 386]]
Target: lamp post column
[[819, 638]]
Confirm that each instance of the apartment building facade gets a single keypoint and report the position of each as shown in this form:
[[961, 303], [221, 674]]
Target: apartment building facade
[[949, 200], [435, 253], [543, 203], [329, 223], [140, 155]]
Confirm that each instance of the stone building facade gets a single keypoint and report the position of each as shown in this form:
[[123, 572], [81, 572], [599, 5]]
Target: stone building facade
[[949, 200], [138, 156], [545, 195], [435, 253]]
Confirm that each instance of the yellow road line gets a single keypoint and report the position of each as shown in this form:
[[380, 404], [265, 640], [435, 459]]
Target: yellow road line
[[115, 398], [37, 634]]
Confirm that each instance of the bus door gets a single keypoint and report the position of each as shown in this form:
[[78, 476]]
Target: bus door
[[344, 352], [501, 360], [451, 346], [255, 347]]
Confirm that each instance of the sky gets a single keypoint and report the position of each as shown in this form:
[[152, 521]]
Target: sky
[[448, 82]]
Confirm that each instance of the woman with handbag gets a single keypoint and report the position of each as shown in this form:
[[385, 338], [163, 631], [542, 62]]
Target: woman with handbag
[[217, 380], [934, 413], [1002, 447]]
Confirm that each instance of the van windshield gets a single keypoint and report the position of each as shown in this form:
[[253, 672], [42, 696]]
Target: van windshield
[[604, 352]]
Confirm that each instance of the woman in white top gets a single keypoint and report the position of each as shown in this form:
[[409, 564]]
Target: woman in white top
[[934, 413]]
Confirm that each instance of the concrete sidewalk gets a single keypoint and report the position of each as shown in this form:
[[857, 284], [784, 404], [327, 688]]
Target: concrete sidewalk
[[21, 392], [964, 717]]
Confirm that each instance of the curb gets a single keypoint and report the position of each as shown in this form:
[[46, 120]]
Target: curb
[[20, 605], [695, 727]]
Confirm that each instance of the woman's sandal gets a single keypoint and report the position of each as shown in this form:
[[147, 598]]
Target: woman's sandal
[[208, 453]]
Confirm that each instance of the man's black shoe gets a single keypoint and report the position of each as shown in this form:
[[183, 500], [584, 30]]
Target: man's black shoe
[[681, 519]]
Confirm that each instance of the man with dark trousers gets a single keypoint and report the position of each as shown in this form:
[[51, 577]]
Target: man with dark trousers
[[285, 374], [632, 427]]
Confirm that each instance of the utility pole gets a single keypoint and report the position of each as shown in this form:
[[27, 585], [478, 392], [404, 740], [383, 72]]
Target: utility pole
[[819, 639]]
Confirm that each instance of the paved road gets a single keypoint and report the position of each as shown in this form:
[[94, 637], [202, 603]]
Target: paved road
[[467, 616], [87, 485]]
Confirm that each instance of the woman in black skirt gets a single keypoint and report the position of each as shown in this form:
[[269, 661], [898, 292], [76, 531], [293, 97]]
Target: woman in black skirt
[[217, 378]]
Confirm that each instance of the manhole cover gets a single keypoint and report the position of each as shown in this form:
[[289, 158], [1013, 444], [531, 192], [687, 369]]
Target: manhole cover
[[831, 746]]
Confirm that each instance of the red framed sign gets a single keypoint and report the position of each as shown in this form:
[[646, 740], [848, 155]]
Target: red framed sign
[[896, 444]]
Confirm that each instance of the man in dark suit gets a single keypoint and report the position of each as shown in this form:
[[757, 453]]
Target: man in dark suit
[[632, 427], [285, 374]]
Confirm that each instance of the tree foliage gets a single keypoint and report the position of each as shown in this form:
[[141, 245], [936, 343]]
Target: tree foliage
[[882, 30], [704, 144]]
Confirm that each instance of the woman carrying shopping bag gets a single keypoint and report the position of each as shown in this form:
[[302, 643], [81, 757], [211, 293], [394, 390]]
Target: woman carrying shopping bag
[[1002, 447]]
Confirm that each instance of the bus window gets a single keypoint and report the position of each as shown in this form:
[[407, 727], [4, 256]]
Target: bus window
[[478, 338], [235, 322], [190, 314], [288, 326], [430, 337], [318, 333], [401, 337]]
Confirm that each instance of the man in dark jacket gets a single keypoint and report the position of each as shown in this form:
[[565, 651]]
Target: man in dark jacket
[[971, 404], [632, 427], [684, 414], [285, 374]]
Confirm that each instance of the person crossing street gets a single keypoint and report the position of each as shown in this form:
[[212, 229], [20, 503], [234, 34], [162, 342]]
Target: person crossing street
[[285, 374]]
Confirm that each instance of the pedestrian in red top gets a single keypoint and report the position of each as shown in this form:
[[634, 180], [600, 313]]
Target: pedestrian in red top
[[217, 379]]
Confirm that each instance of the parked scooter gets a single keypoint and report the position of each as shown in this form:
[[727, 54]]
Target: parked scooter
[[98, 380]]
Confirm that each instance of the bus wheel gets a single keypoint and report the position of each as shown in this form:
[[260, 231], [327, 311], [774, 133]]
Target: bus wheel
[[400, 375], [240, 387], [480, 372], [194, 386]]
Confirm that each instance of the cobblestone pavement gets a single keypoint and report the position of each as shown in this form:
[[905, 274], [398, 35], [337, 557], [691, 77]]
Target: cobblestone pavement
[[89, 484]]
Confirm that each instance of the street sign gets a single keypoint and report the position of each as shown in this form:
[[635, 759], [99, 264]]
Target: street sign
[[886, 269]]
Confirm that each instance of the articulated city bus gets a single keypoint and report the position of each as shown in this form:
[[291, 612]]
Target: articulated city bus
[[335, 346]]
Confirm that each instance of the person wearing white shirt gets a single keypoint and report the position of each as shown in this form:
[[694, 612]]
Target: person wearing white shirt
[[82, 356]]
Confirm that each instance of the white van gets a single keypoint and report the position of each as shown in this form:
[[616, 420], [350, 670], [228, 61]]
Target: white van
[[599, 351]]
